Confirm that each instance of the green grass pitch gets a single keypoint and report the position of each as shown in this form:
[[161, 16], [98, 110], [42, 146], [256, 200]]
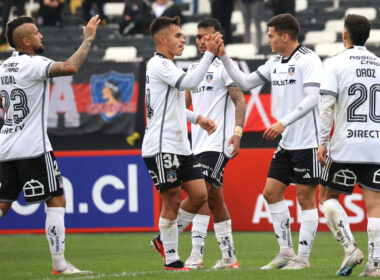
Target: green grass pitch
[[128, 256]]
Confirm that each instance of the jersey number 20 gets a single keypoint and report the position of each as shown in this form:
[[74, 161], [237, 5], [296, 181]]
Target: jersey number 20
[[363, 96]]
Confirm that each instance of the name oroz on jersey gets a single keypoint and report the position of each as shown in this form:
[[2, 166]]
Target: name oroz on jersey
[[362, 133], [9, 130]]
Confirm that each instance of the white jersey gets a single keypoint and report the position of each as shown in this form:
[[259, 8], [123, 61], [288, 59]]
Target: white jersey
[[211, 99], [24, 89], [166, 130], [288, 77], [353, 77]]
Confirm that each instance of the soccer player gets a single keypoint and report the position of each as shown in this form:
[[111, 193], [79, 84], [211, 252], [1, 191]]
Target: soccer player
[[166, 148], [294, 74], [27, 162], [349, 98], [218, 98]]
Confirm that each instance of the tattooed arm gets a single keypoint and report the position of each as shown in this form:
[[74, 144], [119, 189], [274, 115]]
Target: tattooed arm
[[237, 97], [72, 65]]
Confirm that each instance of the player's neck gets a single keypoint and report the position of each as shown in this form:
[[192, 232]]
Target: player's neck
[[290, 48], [25, 50], [165, 53]]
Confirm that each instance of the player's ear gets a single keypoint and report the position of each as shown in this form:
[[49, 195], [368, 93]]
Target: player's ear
[[25, 41]]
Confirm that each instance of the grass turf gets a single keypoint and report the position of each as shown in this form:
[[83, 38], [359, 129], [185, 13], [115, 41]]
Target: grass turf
[[128, 256]]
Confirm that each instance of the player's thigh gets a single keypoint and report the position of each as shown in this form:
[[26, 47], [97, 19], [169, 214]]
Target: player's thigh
[[307, 170], [273, 191], [10, 183], [213, 165], [164, 171], [338, 177], [280, 169], [41, 178], [369, 180], [192, 178]]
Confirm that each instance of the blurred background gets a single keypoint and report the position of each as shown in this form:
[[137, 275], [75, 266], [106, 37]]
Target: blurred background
[[97, 129]]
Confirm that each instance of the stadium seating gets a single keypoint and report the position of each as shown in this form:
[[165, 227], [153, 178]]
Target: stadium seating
[[321, 25]]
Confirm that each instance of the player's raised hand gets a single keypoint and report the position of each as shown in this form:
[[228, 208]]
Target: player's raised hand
[[235, 141], [273, 131], [89, 31], [321, 155], [213, 42], [207, 124]]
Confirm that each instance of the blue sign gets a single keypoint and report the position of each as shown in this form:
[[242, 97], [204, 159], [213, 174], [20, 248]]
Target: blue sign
[[101, 192]]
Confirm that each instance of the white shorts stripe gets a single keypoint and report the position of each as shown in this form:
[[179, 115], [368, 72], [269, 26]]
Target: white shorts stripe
[[50, 173], [159, 167], [217, 166]]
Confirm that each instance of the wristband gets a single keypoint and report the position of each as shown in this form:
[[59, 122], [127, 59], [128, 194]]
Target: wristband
[[238, 131]]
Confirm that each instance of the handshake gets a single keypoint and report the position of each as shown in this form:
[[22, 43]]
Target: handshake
[[214, 43]]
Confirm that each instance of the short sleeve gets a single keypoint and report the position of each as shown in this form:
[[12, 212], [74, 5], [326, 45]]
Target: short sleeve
[[39, 67], [264, 71], [312, 70], [329, 84], [169, 73]]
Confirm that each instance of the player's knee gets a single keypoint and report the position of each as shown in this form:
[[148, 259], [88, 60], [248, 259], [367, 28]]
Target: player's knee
[[270, 197], [305, 200]]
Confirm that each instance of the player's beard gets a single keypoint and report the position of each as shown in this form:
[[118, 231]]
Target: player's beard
[[39, 49]]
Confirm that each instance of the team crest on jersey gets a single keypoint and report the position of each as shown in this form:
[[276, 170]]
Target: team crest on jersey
[[111, 93], [291, 70], [171, 176], [209, 76]]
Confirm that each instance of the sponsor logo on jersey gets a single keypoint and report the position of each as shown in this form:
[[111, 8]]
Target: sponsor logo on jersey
[[283, 82], [164, 63], [291, 70], [112, 93], [209, 77], [171, 176]]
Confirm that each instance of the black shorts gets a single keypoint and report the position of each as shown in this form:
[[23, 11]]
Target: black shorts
[[213, 164], [295, 166], [39, 178], [342, 177], [170, 170]]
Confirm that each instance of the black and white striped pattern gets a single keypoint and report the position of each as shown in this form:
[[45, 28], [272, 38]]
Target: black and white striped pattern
[[218, 166], [50, 173], [160, 167], [303, 50], [326, 169], [316, 165]]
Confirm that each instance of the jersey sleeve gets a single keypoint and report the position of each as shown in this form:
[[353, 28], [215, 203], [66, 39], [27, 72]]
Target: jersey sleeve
[[264, 71], [329, 84], [312, 70], [169, 73], [40, 67], [226, 78]]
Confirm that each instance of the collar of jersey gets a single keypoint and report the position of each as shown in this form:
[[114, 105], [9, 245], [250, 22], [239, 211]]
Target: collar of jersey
[[286, 60], [18, 53], [161, 55]]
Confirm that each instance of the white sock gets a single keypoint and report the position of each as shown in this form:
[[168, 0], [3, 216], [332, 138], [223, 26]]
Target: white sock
[[373, 229], [55, 234], [223, 233], [281, 225], [169, 238], [337, 221], [199, 233], [1, 213], [184, 219], [309, 225]]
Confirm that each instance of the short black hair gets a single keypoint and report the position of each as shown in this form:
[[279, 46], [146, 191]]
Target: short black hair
[[163, 22], [12, 25], [285, 23], [210, 22], [358, 28]]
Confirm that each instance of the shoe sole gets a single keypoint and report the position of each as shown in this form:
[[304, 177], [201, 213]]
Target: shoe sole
[[177, 269]]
